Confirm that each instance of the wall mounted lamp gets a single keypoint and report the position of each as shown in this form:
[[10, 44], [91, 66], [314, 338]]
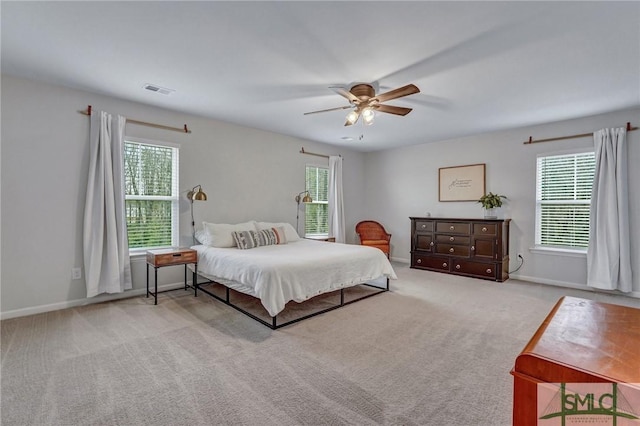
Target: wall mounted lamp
[[306, 199], [192, 196]]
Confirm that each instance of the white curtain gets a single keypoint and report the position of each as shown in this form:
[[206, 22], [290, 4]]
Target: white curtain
[[609, 257], [106, 253], [336, 204]]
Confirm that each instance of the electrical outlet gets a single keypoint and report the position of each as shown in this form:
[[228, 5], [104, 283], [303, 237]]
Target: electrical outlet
[[76, 273]]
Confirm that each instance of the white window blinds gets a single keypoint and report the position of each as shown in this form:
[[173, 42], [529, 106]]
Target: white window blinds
[[151, 194], [317, 213], [563, 197]]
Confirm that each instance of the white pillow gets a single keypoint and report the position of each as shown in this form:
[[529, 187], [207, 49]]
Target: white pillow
[[202, 237], [220, 234], [289, 230]]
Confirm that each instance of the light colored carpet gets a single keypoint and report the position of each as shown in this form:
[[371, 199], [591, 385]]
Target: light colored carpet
[[435, 350]]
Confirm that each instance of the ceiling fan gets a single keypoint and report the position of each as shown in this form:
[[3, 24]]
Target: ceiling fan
[[364, 102]]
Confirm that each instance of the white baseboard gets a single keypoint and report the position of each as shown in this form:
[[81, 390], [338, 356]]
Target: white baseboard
[[634, 294], [32, 310]]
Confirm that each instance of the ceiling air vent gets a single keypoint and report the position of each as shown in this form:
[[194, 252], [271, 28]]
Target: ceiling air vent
[[158, 89]]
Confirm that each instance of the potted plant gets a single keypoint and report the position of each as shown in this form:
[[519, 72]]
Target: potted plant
[[490, 202]]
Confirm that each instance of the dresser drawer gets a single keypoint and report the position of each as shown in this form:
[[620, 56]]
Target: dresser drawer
[[424, 242], [477, 269], [453, 250], [454, 227], [452, 239], [424, 225], [485, 229], [431, 262], [171, 257]]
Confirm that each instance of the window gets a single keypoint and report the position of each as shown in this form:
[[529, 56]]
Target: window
[[316, 216], [563, 198], [151, 194]]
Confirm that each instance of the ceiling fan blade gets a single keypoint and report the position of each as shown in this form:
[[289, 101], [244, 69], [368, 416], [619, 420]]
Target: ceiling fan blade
[[409, 89], [347, 94], [327, 110], [392, 109]]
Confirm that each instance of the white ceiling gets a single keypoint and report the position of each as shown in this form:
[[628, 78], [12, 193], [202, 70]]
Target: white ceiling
[[480, 66]]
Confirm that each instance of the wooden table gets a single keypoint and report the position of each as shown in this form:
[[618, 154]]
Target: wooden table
[[169, 257], [580, 341]]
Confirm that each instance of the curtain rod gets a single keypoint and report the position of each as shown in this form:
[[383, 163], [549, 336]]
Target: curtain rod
[[302, 151], [582, 135], [144, 123]]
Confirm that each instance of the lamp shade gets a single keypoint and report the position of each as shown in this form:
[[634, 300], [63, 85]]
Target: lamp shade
[[198, 195], [305, 199], [352, 117], [368, 115]]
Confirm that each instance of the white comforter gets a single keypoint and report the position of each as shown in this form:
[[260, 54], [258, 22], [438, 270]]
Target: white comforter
[[295, 271]]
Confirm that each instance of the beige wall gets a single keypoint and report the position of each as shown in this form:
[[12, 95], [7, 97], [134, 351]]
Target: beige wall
[[404, 182], [247, 174], [250, 174]]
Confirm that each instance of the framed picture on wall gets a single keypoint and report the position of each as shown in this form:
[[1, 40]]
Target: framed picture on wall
[[461, 183]]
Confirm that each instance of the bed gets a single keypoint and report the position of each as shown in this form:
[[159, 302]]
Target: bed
[[295, 271]]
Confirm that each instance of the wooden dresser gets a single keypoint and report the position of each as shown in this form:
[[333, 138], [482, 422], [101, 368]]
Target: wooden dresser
[[476, 248], [580, 341]]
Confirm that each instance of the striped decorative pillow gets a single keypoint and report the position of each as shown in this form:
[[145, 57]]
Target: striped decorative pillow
[[266, 237], [289, 231], [245, 239], [275, 235]]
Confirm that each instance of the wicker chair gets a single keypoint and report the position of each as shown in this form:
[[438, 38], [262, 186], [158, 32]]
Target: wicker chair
[[373, 234]]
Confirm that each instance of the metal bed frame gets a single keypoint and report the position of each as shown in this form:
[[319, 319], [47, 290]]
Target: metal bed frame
[[274, 319]]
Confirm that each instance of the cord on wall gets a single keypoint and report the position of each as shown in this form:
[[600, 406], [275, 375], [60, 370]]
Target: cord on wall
[[518, 268]]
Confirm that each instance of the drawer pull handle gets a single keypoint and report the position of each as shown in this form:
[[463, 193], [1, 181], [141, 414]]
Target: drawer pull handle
[[424, 226], [473, 248], [451, 250], [458, 267], [488, 271], [452, 227], [419, 260], [431, 244], [484, 229], [444, 265], [177, 254], [451, 239]]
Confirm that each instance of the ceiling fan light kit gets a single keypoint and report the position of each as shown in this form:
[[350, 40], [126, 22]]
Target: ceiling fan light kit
[[368, 115], [352, 117], [364, 102]]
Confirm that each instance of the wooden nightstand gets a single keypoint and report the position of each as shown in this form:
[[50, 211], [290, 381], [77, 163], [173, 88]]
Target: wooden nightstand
[[170, 257]]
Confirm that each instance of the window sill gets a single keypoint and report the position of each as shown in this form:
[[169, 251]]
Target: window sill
[[317, 237], [137, 256], [551, 251]]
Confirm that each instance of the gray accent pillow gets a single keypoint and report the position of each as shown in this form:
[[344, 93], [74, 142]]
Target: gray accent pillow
[[252, 239], [267, 237], [245, 239]]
